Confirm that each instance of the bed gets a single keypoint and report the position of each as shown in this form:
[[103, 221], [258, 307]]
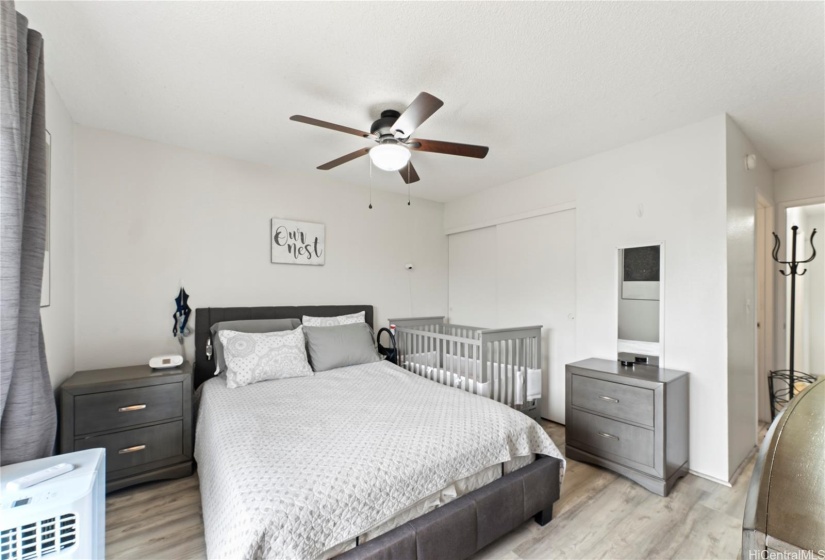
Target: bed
[[500, 364], [367, 461]]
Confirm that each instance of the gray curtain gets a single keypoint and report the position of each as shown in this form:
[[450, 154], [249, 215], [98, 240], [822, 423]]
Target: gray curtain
[[28, 418]]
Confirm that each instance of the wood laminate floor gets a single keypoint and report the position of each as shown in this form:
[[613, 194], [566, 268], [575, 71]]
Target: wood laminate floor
[[599, 515]]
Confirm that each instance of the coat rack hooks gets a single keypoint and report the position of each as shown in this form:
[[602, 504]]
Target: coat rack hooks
[[792, 272]]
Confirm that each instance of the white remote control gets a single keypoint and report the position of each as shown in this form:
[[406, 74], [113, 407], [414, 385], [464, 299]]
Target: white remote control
[[39, 476]]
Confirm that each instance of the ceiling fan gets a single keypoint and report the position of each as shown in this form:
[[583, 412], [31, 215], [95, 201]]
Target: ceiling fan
[[392, 134]]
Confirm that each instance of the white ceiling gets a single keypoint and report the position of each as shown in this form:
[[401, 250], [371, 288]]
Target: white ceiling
[[541, 83]]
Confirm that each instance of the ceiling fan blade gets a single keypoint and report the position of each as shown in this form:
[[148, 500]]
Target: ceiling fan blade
[[451, 148], [419, 111], [344, 159], [331, 126], [409, 174]]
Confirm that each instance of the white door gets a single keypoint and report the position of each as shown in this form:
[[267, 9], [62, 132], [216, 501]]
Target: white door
[[763, 322], [536, 284], [472, 278], [522, 273]]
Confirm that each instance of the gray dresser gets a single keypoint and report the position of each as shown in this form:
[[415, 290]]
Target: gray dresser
[[632, 420], [141, 416]]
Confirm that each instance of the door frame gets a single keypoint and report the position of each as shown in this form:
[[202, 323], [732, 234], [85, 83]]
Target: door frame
[[780, 351], [764, 333]]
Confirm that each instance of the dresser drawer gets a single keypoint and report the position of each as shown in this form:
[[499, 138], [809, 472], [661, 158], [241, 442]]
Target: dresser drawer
[[615, 400], [603, 435], [98, 412], [132, 448]]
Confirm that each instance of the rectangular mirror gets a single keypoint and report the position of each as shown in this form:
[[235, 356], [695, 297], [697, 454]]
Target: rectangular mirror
[[640, 290]]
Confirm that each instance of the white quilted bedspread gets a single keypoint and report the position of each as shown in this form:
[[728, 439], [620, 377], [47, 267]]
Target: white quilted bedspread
[[291, 467]]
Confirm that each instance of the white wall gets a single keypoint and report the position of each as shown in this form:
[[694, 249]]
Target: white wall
[[149, 215], [669, 188], [800, 183], [59, 317], [742, 188], [814, 285]]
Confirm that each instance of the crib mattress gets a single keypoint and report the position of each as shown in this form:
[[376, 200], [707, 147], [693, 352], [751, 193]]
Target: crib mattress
[[458, 373]]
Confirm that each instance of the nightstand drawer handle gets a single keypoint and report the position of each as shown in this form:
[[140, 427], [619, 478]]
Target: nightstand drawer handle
[[610, 399], [132, 449], [131, 408], [609, 436]]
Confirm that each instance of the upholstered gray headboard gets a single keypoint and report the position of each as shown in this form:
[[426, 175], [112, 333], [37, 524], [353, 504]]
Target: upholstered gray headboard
[[205, 317]]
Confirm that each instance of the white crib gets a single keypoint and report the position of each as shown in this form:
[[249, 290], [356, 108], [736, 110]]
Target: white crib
[[501, 364]]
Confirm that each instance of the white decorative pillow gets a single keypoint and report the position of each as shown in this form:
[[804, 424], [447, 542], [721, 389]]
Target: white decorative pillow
[[253, 357], [333, 321]]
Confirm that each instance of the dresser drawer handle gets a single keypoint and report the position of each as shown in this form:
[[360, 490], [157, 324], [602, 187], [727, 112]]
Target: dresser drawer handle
[[609, 436], [131, 408], [131, 449], [609, 399]]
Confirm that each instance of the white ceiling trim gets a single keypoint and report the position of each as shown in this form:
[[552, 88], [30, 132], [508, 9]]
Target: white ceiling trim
[[514, 217]]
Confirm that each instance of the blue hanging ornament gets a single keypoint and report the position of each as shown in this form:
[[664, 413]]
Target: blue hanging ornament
[[181, 315]]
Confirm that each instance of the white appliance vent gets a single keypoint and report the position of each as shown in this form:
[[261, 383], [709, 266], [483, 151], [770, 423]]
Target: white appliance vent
[[39, 539], [62, 518]]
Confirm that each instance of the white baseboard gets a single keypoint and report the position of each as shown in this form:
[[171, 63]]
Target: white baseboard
[[733, 477], [742, 465], [711, 478]]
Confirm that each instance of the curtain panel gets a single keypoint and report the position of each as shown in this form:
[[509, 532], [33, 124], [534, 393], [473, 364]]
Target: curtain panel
[[28, 417]]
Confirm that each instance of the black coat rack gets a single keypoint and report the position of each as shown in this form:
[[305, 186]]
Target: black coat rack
[[793, 271]]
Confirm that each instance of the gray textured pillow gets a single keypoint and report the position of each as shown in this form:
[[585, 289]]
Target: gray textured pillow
[[246, 326], [340, 346], [334, 321], [254, 357]]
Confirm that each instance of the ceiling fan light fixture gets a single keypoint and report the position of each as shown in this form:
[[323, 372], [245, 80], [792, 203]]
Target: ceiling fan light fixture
[[390, 156]]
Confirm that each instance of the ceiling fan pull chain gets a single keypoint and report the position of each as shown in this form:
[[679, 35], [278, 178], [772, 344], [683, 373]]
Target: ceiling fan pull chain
[[370, 160], [409, 166]]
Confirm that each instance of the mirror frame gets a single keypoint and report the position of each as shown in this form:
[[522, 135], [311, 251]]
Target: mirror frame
[[637, 346]]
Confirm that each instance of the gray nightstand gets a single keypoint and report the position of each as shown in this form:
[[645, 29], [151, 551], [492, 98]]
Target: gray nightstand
[[141, 416], [632, 420]]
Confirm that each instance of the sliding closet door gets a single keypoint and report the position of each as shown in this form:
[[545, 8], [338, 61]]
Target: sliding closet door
[[473, 278], [536, 284]]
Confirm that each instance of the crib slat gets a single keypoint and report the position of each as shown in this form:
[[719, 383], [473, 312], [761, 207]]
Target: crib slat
[[516, 370], [456, 369], [508, 377], [402, 350], [493, 372], [522, 367], [504, 380], [415, 353], [522, 390], [427, 341], [407, 350], [493, 360], [477, 360], [473, 365], [505, 349], [453, 362], [491, 375]]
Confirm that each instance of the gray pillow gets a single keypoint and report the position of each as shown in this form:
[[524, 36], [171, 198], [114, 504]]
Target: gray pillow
[[340, 346], [247, 326]]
